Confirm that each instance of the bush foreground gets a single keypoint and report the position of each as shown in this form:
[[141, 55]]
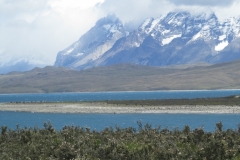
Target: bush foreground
[[145, 142]]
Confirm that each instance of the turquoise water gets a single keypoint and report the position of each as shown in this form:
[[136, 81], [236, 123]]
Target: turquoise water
[[100, 121], [99, 96]]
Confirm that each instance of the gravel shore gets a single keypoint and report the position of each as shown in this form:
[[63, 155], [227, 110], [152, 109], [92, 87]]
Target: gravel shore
[[101, 107]]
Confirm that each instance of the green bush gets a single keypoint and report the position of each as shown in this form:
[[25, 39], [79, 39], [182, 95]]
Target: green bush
[[145, 142]]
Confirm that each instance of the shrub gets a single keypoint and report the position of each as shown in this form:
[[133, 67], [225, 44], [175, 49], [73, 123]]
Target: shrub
[[145, 142]]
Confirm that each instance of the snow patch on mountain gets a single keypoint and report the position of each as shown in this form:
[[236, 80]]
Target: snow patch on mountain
[[165, 32], [69, 51], [111, 28], [221, 46], [153, 25], [146, 23], [222, 37], [79, 54], [107, 26], [195, 37], [169, 39]]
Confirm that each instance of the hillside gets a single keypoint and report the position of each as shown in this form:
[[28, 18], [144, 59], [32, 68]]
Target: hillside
[[122, 77]]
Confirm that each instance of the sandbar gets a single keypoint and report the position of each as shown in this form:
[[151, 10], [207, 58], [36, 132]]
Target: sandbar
[[101, 107]]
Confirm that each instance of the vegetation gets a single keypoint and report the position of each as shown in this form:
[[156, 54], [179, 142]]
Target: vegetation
[[230, 101], [122, 77], [119, 143]]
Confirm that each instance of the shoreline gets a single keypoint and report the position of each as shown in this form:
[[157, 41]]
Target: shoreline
[[170, 90], [101, 108]]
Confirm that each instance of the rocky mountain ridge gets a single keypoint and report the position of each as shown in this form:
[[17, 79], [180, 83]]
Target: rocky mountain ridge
[[93, 44], [177, 38]]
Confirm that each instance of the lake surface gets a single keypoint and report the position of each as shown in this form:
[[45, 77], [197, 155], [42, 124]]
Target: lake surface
[[100, 121], [100, 96]]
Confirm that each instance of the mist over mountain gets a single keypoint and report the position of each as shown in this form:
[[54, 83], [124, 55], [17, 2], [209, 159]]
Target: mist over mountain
[[172, 39], [9, 63]]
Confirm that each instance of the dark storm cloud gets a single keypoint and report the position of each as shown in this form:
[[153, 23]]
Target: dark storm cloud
[[203, 2]]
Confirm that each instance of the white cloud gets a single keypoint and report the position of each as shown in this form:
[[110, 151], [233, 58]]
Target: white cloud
[[31, 27], [141, 9], [226, 12], [65, 5], [136, 9], [203, 2]]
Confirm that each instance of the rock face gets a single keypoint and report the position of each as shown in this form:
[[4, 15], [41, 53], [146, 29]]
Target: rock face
[[92, 45], [177, 38]]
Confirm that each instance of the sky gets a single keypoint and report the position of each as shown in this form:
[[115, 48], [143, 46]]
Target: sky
[[39, 29]]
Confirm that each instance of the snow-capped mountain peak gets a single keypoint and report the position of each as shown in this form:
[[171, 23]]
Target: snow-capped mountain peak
[[92, 44], [146, 24], [175, 38], [109, 19], [176, 18]]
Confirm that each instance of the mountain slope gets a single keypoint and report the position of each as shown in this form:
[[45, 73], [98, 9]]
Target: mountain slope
[[122, 77], [93, 44]]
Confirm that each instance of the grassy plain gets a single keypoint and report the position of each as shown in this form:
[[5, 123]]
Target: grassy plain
[[122, 77]]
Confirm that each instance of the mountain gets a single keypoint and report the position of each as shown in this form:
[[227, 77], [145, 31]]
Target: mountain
[[176, 38], [92, 45], [26, 63], [124, 77]]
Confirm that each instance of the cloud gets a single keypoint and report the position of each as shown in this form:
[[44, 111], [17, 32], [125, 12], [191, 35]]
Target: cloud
[[31, 28], [203, 2], [129, 10], [134, 12], [21, 9], [65, 5], [138, 10]]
